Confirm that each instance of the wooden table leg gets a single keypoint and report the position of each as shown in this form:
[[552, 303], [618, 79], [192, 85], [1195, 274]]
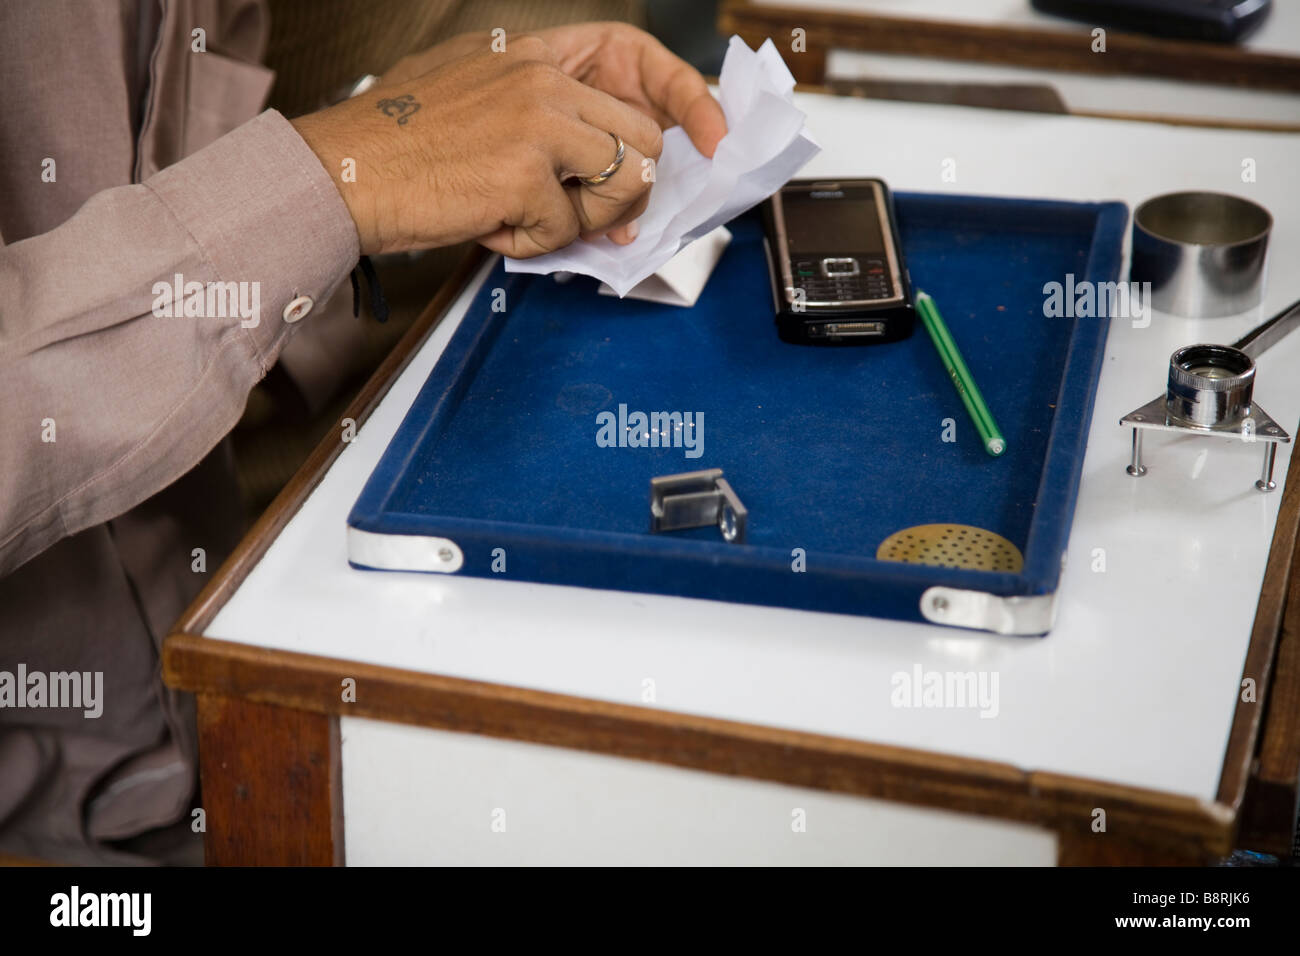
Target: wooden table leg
[[1090, 849], [1268, 815], [272, 784]]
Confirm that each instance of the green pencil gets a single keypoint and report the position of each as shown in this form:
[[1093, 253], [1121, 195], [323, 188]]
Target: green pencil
[[961, 377]]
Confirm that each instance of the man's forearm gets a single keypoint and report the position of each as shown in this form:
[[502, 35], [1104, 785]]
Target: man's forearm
[[112, 384]]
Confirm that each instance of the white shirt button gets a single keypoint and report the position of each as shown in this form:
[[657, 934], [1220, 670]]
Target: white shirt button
[[299, 307]]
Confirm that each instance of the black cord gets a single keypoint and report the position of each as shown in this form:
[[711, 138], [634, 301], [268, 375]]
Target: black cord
[[378, 304]]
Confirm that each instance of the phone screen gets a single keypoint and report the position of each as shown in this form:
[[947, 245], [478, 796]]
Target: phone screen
[[839, 222]]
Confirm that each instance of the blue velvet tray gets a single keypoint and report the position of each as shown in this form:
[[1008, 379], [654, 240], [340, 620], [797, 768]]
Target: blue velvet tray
[[830, 449]]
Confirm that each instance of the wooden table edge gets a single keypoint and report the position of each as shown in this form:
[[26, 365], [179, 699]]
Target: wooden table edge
[[1149, 825], [1220, 64], [1134, 816]]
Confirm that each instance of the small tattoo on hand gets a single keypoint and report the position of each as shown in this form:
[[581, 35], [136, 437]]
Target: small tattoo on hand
[[400, 106]]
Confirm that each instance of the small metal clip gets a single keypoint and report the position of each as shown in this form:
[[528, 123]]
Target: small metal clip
[[696, 499]]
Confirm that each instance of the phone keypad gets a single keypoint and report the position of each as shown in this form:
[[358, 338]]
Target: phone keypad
[[871, 281]]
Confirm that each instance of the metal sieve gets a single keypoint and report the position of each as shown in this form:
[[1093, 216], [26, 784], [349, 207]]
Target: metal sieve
[[952, 546]]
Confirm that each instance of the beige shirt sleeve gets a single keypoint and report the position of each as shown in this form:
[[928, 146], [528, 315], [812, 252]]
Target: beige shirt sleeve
[[104, 401]]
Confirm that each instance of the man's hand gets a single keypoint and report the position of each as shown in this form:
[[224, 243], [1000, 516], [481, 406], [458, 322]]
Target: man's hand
[[479, 149], [634, 67], [615, 58], [460, 142]]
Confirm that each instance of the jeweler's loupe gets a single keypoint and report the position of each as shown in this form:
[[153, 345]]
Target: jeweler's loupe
[[1210, 391]]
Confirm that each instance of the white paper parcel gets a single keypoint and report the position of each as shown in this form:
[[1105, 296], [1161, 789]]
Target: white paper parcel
[[765, 145]]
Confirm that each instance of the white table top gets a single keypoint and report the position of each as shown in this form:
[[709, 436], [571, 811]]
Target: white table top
[[1136, 684], [1277, 34]]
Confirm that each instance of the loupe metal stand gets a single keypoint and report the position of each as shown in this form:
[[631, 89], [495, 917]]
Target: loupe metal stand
[[1210, 393], [1154, 415]]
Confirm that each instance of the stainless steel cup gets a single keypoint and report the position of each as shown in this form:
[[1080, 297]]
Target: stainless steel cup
[[1203, 253]]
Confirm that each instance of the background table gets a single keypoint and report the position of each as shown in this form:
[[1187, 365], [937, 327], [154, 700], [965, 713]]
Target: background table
[[616, 727], [1005, 47]]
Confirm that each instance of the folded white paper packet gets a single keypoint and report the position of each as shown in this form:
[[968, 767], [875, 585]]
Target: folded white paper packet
[[766, 144], [681, 279]]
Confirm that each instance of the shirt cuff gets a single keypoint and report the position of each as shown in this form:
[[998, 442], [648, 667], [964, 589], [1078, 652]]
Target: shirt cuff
[[262, 210]]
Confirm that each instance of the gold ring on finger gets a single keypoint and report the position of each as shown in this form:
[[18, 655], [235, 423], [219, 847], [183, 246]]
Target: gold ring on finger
[[609, 170]]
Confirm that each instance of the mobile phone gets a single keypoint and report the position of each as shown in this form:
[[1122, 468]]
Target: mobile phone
[[1222, 21], [836, 263]]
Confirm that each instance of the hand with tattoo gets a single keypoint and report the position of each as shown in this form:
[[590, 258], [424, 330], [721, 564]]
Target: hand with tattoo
[[400, 106], [462, 142]]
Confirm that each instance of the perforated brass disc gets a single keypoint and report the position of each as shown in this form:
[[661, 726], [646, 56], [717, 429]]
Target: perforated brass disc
[[952, 546]]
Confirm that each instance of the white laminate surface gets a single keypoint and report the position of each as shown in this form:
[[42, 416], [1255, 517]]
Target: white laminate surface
[[419, 797], [1136, 684]]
